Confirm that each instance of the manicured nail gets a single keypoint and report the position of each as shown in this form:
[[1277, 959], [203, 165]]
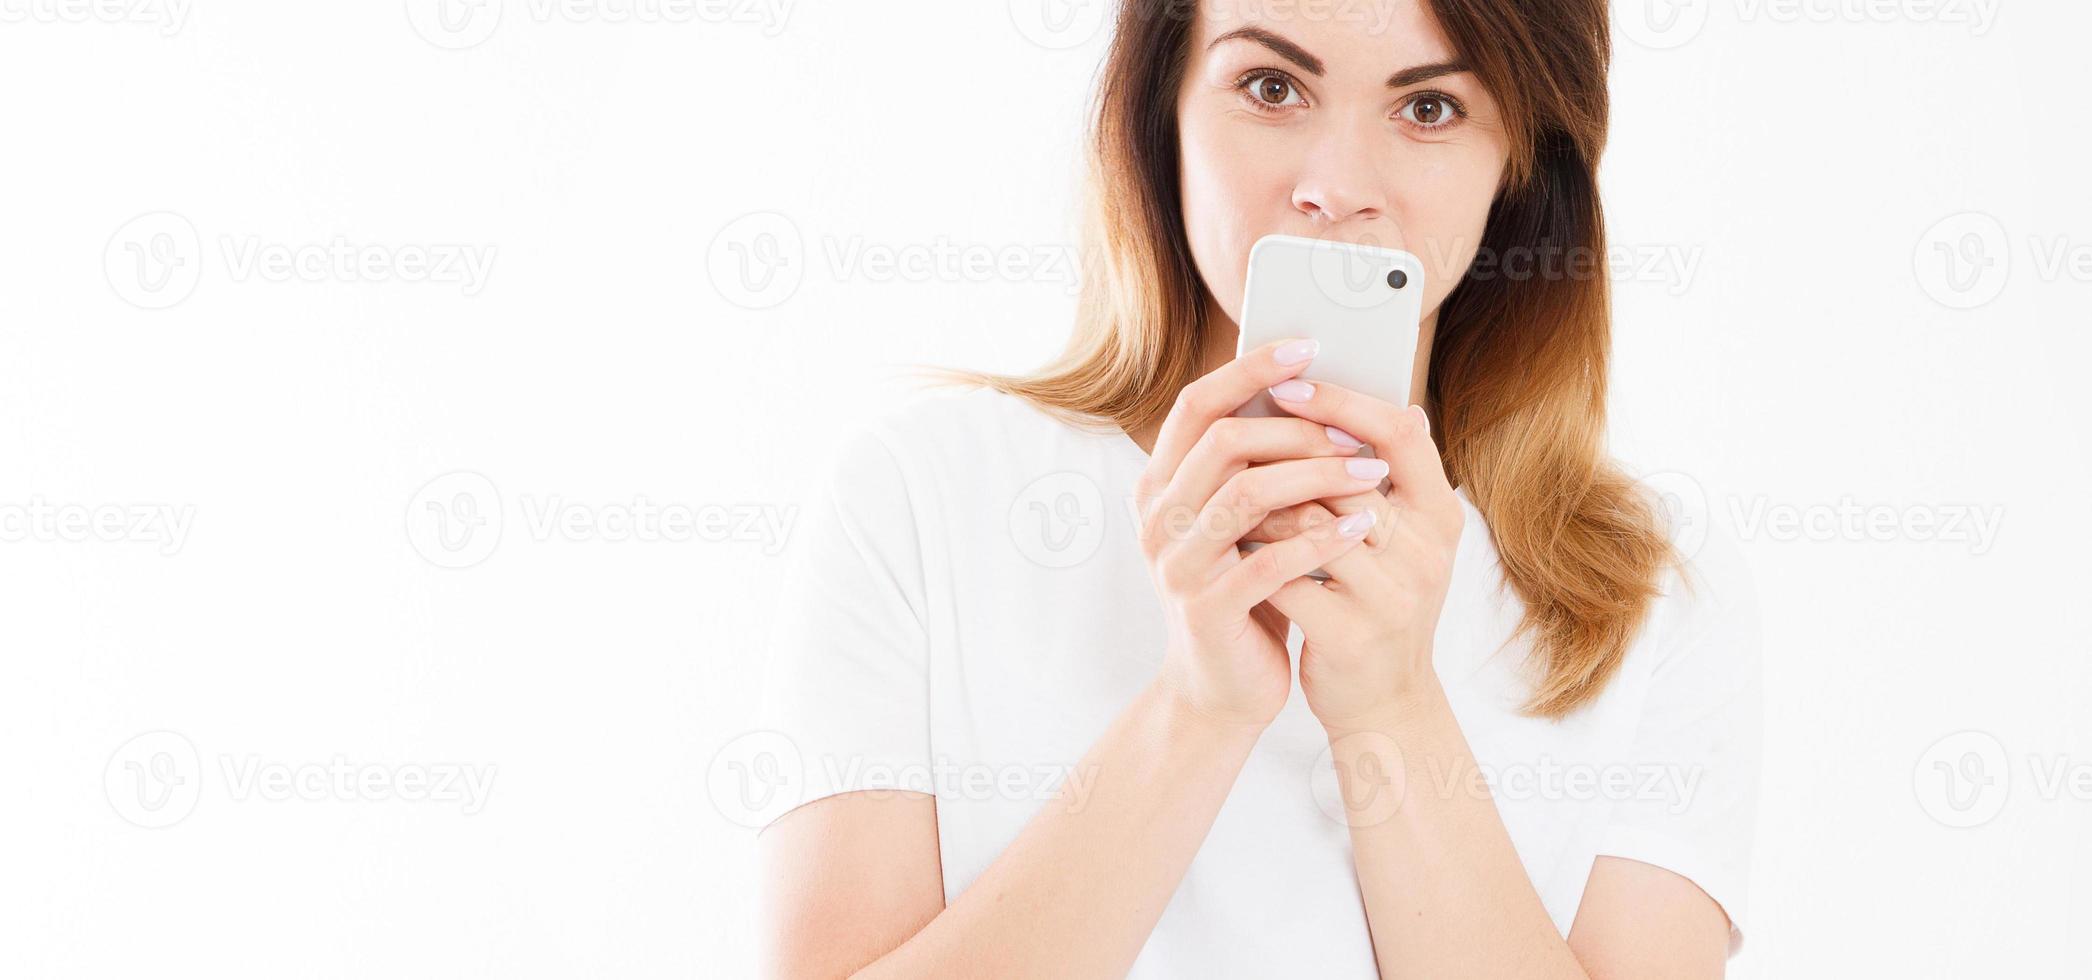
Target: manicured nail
[[1423, 418], [1342, 438], [1294, 352], [1294, 390], [1366, 469], [1355, 526]]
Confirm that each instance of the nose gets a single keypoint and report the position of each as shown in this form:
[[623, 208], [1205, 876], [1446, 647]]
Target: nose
[[1341, 182], [1334, 202]]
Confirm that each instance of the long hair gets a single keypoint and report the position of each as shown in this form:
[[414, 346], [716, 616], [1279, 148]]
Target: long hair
[[1517, 374]]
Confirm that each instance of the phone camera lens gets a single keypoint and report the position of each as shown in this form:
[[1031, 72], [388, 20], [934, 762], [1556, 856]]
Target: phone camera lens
[[1397, 278]]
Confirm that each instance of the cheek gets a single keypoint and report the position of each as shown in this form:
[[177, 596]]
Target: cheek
[[1443, 225], [1227, 192]]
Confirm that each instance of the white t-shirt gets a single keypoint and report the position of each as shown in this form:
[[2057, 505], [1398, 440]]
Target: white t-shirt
[[966, 609]]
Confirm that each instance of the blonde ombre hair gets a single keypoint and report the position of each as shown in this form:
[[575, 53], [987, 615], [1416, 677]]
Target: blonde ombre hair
[[1517, 376]]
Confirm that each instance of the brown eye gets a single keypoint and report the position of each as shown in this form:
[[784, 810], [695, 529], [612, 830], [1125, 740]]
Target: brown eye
[[1270, 92], [1431, 111]]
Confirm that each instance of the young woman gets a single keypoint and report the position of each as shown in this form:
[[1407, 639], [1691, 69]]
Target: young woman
[[1045, 705]]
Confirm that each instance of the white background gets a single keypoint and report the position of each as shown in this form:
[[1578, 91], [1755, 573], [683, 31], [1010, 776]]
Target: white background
[[1798, 346]]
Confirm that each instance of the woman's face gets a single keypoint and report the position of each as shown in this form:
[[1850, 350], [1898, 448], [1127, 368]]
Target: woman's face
[[1296, 119]]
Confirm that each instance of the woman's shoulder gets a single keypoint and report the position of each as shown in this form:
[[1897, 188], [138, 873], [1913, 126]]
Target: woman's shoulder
[[897, 466], [928, 413], [1706, 599], [1707, 607], [977, 424]]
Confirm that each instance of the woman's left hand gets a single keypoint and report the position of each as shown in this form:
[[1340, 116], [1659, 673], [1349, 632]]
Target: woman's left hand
[[1367, 632]]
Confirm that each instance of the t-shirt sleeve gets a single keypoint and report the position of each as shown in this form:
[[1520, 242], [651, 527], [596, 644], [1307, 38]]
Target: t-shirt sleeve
[[1700, 729], [845, 681]]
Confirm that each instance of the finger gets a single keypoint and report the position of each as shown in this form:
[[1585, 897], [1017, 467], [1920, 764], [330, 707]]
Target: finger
[[1219, 393], [1357, 568], [1250, 495], [1260, 575], [1231, 445], [1362, 569], [1397, 434], [1306, 600], [1286, 522]]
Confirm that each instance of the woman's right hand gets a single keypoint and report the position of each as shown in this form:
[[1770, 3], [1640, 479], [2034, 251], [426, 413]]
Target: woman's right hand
[[1210, 480]]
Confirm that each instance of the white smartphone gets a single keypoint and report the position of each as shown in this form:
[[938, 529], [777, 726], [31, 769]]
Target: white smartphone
[[1363, 303]]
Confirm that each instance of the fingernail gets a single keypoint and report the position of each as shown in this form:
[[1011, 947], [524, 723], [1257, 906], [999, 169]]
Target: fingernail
[[1294, 390], [1356, 525], [1366, 469], [1342, 438], [1294, 352], [1423, 418]]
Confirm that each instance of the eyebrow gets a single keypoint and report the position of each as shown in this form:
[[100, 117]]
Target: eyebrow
[[1313, 65]]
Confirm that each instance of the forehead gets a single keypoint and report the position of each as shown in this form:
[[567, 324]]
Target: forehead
[[1347, 36]]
